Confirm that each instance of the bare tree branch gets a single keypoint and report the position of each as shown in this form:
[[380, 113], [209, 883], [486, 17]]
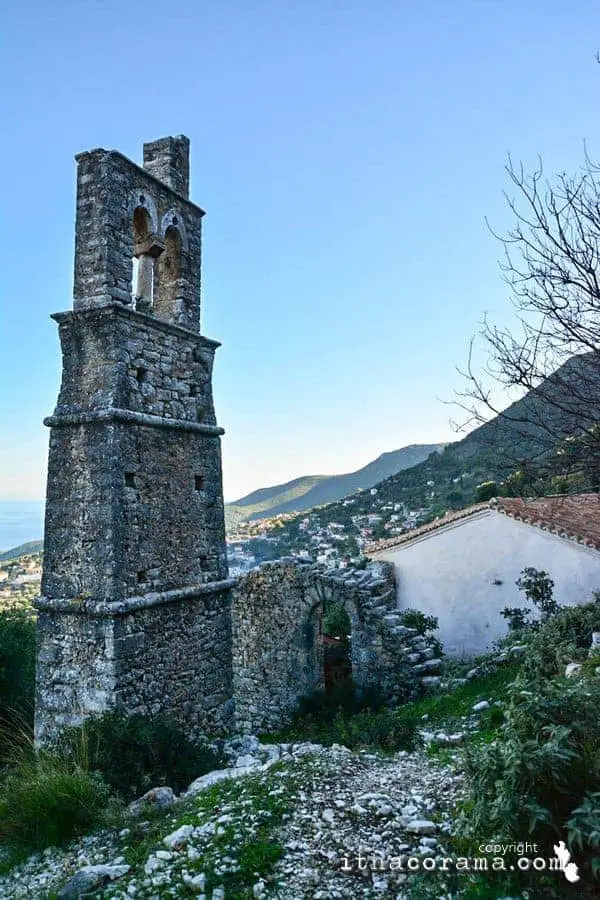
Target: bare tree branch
[[550, 262]]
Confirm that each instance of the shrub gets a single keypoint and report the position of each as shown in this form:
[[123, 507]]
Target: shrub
[[353, 718], [538, 587], [136, 753], [17, 664], [518, 618], [414, 618], [336, 621], [324, 705], [565, 638], [486, 490], [584, 828], [46, 800], [381, 729], [539, 779]]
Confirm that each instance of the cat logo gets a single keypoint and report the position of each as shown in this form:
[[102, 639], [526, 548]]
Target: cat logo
[[570, 869]]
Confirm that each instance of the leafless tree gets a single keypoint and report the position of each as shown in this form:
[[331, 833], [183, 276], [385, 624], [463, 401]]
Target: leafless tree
[[550, 263]]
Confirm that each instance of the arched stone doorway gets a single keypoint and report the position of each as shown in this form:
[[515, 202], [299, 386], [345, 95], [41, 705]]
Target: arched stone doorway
[[278, 643], [337, 649]]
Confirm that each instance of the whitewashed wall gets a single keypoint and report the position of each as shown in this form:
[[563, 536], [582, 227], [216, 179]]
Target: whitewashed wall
[[451, 572]]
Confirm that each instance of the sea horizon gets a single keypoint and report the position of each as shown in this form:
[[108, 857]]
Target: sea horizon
[[20, 521]]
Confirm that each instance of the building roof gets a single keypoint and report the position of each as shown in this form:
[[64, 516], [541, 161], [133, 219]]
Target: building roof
[[414, 533], [575, 517]]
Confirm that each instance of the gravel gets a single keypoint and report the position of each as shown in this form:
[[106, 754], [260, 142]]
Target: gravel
[[338, 807]]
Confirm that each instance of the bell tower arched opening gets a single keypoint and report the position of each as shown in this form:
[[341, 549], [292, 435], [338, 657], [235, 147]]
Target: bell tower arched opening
[[167, 287], [142, 287]]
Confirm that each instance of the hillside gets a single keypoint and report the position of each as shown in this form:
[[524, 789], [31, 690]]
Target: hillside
[[315, 490], [21, 550], [528, 430]]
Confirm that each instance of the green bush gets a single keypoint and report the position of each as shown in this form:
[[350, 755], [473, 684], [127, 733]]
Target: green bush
[[324, 705], [336, 621], [381, 729], [564, 638], [485, 491], [46, 800], [414, 618], [353, 718], [517, 617], [538, 587], [136, 753], [538, 780], [17, 664]]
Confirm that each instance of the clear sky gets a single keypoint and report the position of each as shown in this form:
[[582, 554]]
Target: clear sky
[[346, 154]]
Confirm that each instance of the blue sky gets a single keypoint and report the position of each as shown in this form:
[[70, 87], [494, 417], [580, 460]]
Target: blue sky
[[346, 154]]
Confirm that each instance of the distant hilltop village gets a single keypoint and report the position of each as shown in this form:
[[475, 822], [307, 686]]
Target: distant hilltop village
[[336, 544]]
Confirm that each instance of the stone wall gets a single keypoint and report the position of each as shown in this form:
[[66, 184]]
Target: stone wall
[[135, 611], [278, 641], [110, 188], [168, 653]]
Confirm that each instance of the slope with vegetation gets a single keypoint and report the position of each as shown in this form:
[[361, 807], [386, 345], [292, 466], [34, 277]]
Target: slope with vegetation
[[31, 547], [516, 440], [315, 490], [532, 448]]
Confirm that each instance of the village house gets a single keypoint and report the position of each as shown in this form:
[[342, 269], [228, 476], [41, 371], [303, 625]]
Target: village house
[[463, 567]]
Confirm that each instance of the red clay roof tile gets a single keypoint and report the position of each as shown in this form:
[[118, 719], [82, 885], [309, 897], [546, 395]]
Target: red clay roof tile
[[573, 516]]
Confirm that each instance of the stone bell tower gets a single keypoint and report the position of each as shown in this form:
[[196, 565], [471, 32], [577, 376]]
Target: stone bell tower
[[135, 611]]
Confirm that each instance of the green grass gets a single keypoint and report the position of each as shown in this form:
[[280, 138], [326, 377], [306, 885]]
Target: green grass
[[387, 731], [449, 709], [46, 801], [380, 731], [135, 753], [262, 798], [257, 804]]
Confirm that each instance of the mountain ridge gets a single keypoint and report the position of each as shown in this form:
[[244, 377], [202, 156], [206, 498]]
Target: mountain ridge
[[308, 491], [528, 429]]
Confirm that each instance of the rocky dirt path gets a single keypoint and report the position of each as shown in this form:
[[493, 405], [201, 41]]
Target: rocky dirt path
[[289, 821], [357, 820]]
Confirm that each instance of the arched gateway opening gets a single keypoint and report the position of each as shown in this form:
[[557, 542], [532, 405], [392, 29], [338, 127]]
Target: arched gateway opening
[[337, 648], [297, 630]]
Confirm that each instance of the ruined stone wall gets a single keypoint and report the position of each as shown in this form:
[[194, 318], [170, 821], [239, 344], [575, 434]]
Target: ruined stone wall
[[278, 646], [278, 642], [176, 657], [150, 654]]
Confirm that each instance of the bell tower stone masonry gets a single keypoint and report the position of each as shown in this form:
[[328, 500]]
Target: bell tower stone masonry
[[136, 605]]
